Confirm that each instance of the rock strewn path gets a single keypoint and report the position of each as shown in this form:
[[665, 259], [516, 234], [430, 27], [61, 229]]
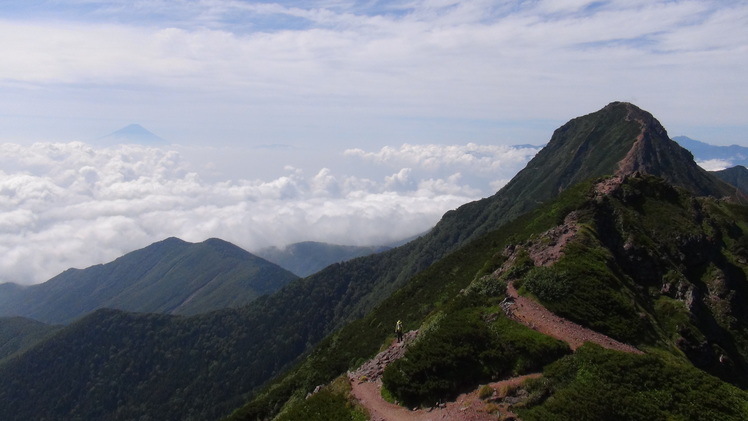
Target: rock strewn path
[[372, 370]]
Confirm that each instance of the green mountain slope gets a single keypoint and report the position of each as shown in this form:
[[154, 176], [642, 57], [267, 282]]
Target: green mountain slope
[[618, 139], [18, 334], [171, 276], [306, 258], [649, 264]]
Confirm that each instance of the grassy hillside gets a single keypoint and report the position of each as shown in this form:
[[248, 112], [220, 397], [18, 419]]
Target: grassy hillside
[[654, 265], [171, 276], [595, 384]]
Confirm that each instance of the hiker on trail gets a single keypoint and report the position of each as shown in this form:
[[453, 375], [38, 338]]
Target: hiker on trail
[[399, 331]]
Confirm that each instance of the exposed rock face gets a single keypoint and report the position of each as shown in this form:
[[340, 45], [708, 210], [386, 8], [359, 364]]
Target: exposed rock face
[[654, 153], [551, 246], [374, 368]]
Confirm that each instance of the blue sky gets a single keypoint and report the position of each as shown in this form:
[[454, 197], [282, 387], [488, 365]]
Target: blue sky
[[352, 122], [343, 72]]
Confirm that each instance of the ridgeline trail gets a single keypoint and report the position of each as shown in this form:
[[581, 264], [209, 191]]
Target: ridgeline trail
[[366, 385], [366, 382]]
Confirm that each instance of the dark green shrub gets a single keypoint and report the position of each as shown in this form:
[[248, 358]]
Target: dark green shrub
[[488, 286], [595, 383], [547, 283], [463, 351], [322, 406], [442, 363], [523, 263]]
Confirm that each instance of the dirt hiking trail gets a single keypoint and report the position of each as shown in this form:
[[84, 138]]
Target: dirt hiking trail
[[366, 382], [467, 407], [533, 315], [366, 385]]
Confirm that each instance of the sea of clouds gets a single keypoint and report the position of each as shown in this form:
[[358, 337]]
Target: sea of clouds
[[71, 204]]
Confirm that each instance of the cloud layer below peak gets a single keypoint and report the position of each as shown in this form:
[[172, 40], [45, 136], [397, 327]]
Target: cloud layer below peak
[[73, 205]]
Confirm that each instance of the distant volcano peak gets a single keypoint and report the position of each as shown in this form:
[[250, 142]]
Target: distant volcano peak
[[132, 133]]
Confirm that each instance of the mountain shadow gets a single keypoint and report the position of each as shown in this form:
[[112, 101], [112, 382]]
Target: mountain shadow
[[309, 257], [18, 334], [736, 176]]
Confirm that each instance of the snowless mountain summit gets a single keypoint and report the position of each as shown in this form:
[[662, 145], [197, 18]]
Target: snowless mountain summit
[[132, 134]]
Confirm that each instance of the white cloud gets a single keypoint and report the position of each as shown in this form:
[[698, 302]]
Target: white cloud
[[482, 165], [715, 164], [72, 205], [479, 158]]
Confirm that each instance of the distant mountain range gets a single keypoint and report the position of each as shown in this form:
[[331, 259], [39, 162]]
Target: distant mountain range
[[170, 277], [733, 154], [612, 225]]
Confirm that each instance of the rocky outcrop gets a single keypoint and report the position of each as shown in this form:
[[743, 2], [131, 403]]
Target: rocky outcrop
[[654, 153], [373, 369]]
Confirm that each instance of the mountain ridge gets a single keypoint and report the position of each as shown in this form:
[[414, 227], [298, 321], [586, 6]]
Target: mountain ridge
[[18, 334], [734, 154], [585, 147], [171, 276]]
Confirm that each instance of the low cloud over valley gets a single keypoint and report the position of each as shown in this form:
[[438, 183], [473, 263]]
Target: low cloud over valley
[[74, 205]]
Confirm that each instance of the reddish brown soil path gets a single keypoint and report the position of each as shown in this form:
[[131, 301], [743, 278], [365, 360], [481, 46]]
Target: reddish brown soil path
[[366, 386], [537, 317], [467, 407], [366, 383]]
